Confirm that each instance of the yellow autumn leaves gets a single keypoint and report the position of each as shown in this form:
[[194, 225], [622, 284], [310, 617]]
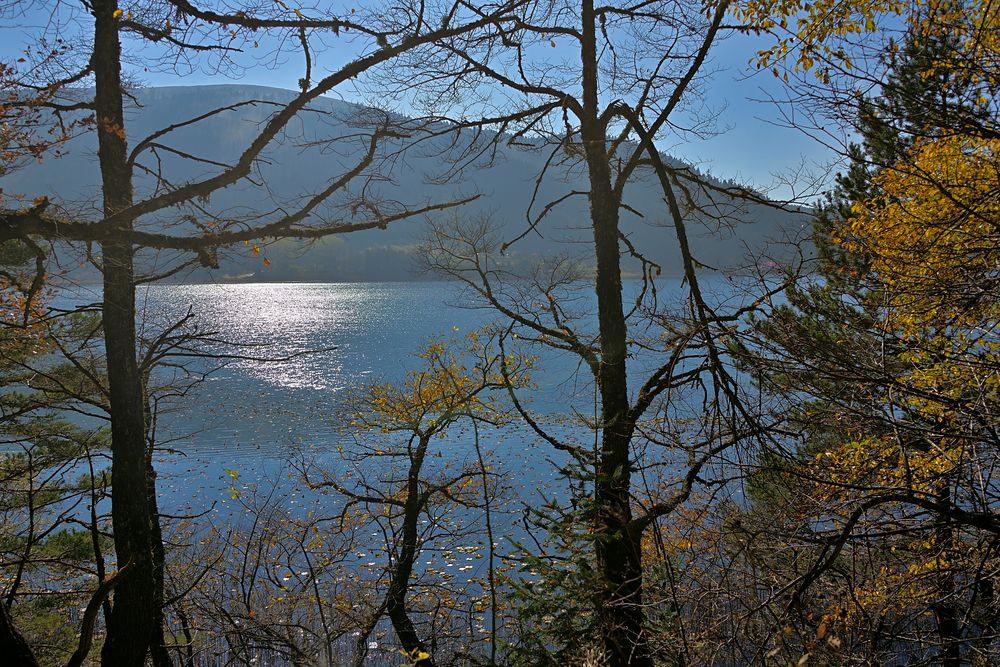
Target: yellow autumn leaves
[[457, 378], [255, 251], [874, 463], [929, 236], [932, 235], [819, 35], [808, 31]]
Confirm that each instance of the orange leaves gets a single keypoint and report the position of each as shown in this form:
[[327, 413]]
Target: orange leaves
[[23, 331], [255, 250], [27, 132], [106, 125]]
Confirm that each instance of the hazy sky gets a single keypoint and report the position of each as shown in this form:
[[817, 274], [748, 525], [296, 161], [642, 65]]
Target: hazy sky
[[752, 145]]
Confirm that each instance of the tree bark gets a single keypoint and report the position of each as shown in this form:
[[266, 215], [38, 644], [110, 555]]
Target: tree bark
[[132, 617], [945, 612], [619, 558], [157, 641], [399, 578], [14, 648]]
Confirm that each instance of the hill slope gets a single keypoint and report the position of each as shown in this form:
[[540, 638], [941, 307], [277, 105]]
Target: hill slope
[[306, 159]]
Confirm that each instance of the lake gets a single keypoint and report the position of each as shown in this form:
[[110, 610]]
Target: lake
[[254, 415], [250, 422]]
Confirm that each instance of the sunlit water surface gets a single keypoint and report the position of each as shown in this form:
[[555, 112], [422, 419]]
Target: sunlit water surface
[[307, 345], [291, 354]]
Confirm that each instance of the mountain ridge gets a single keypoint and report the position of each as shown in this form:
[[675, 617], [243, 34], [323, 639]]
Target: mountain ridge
[[302, 162]]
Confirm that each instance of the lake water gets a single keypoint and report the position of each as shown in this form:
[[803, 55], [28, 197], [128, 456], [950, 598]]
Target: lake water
[[257, 419], [254, 415]]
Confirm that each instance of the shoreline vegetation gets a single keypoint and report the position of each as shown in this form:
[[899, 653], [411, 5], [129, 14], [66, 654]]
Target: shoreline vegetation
[[555, 453]]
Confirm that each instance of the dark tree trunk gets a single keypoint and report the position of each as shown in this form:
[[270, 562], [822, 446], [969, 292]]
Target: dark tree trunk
[[986, 619], [15, 650], [621, 614], [944, 607], [133, 612], [399, 577], [157, 641]]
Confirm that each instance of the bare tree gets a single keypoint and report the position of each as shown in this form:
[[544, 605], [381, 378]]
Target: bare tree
[[182, 31], [413, 493], [622, 77]]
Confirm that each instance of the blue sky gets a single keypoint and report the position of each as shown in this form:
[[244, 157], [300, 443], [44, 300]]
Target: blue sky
[[752, 146]]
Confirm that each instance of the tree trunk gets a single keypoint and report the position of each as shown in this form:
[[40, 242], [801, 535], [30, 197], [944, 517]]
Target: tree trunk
[[945, 612], [621, 614], [157, 641], [399, 578], [14, 648], [132, 616]]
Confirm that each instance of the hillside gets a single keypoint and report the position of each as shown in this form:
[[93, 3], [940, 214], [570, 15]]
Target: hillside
[[307, 157]]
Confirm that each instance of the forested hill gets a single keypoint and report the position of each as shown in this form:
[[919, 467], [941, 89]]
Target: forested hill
[[303, 162]]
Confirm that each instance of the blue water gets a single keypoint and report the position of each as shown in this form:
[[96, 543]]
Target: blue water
[[256, 416], [250, 424]]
